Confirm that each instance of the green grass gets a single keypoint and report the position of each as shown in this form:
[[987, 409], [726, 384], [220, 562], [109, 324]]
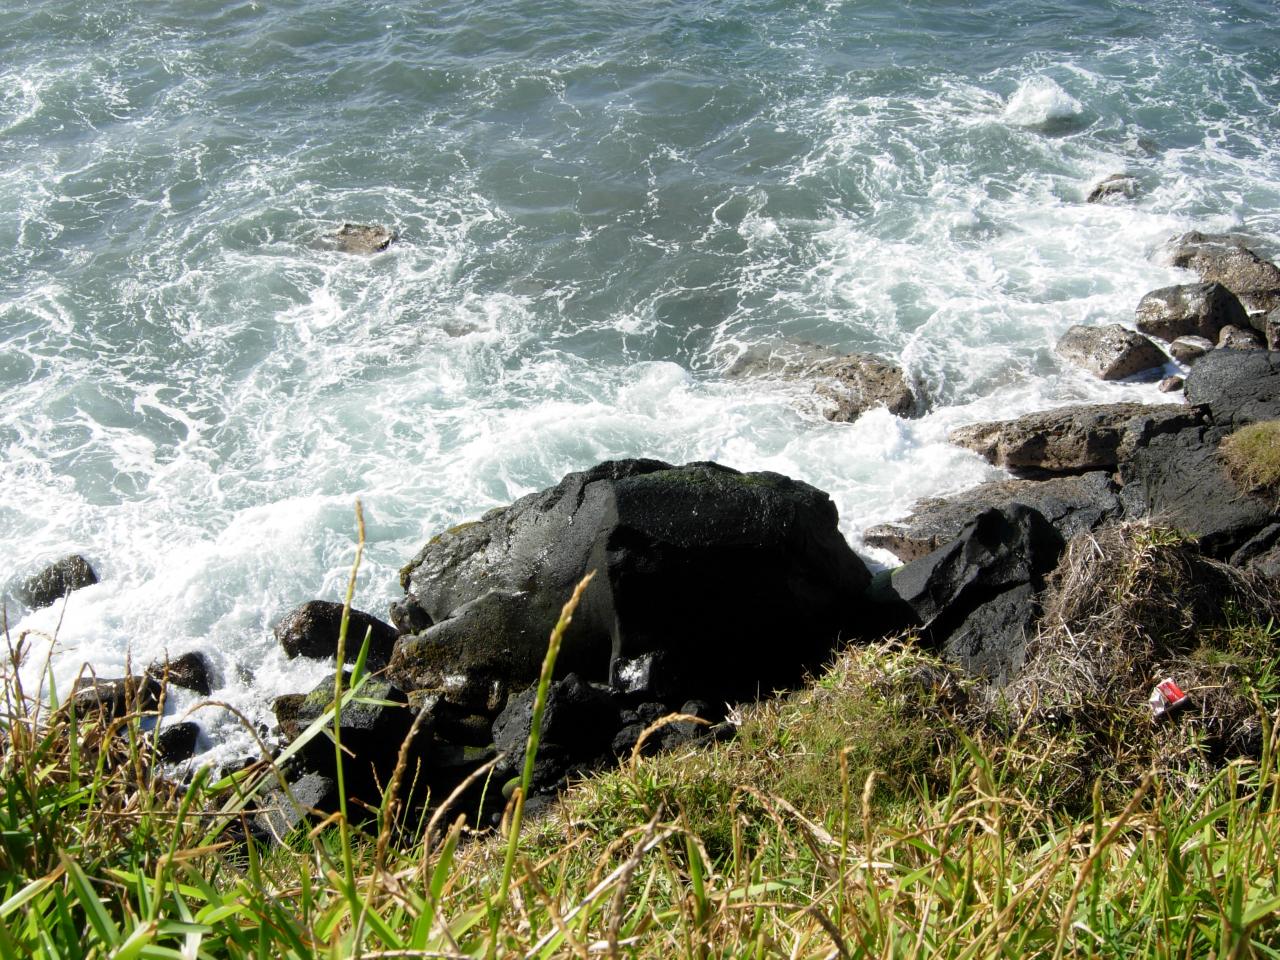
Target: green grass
[[1252, 455], [880, 811]]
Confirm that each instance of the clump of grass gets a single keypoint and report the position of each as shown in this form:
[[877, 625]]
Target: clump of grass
[[1252, 455], [1129, 605]]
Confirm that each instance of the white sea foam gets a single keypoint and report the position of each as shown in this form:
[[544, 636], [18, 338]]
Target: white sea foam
[[1041, 102]]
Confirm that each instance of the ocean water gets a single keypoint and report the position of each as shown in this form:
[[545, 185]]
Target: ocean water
[[600, 205]]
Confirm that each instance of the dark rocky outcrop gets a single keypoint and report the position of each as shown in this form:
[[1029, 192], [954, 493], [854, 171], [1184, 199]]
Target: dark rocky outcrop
[[677, 549], [362, 238], [974, 598], [1172, 473], [1073, 439], [579, 723], [1238, 386], [1110, 352], [1190, 309], [1071, 504], [191, 671], [55, 581], [1224, 258], [311, 630], [1118, 186]]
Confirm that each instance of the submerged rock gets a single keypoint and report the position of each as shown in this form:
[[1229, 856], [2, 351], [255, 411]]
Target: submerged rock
[[1110, 352], [1223, 258], [710, 583], [1118, 186], [858, 382], [55, 581], [1189, 309], [362, 238], [847, 384]]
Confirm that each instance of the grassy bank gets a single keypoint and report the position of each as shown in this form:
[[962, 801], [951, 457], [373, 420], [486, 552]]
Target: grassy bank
[[889, 809]]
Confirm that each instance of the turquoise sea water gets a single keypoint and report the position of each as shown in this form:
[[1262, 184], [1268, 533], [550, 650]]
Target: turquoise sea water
[[600, 204]]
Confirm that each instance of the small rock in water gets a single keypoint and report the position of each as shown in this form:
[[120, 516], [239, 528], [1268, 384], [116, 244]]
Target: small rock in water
[[191, 671], [1118, 186], [363, 237], [56, 581], [177, 742], [1190, 349], [1171, 384]]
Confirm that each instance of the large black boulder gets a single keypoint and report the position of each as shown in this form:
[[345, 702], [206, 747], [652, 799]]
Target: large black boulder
[[975, 598], [711, 583], [1239, 386]]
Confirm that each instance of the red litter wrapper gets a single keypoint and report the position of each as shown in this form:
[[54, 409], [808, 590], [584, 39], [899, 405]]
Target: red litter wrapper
[[1166, 697]]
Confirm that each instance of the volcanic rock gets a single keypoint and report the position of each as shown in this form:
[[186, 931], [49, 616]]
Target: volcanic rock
[[853, 384], [1110, 352], [1224, 258], [311, 630], [1190, 349], [116, 697], [1232, 337], [1072, 439], [1118, 186], [56, 581], [1239, 386], [974, 598], [191, 671], [676, 550], [1070, 504], [1171, 384], [1189, 309], [362, 238], [177, 742]]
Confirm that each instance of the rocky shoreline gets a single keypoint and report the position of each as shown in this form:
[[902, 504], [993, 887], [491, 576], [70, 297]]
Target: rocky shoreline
[[715, 586]]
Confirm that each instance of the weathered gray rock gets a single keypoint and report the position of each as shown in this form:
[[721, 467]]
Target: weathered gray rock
[[191, 671], [676, 550], [1171, 384], [853, 384], [1072, 439], [1189, 309], [56, 581], [362, 238], [1110, 352], [1171, 471], [1239, 386], [311, 630], [1071, 504], [1190, 349], [1232, 337], [974, 598], [310, 795], [1225, 259], [780, 359], [1118, 186]]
